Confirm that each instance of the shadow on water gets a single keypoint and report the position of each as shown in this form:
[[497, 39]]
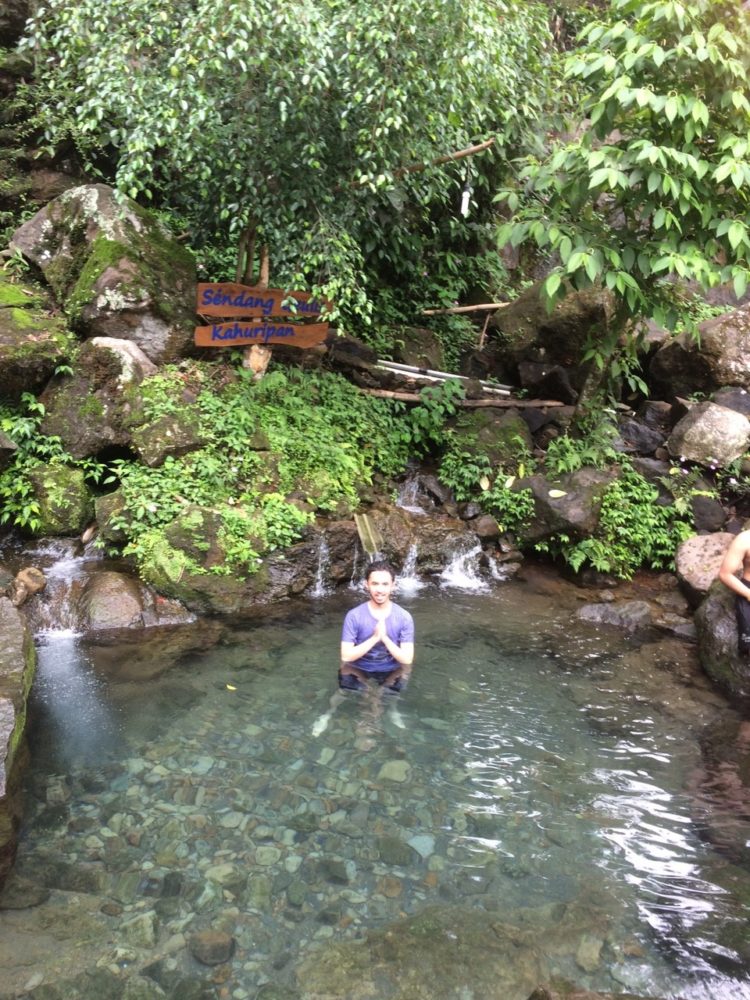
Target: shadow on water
[[530, 786]]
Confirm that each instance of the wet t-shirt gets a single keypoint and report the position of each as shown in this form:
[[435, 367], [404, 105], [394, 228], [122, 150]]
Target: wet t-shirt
[[359, 625]]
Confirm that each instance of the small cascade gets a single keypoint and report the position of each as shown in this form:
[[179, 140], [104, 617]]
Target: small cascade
[[408, 580], [355, 581], [500, 571], [462, 571], [320, 587], [72, 697], [408, 495], [64, 563]]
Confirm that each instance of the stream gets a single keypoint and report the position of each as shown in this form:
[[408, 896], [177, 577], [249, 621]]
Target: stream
[[533, 781]]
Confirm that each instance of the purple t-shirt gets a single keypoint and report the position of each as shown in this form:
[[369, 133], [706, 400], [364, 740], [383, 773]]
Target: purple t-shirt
[[359, 625]]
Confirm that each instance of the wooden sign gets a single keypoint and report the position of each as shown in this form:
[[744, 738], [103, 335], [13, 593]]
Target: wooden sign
[[230, 299], [261, 332]]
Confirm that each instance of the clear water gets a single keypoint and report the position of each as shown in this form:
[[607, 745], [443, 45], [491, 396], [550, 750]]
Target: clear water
[[540, 777]]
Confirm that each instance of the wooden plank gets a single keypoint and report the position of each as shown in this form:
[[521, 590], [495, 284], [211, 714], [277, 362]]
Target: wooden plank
[[468, 404], [260, 332], [228, 298]]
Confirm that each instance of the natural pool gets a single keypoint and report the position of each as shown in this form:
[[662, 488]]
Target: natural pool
[[531, 819]]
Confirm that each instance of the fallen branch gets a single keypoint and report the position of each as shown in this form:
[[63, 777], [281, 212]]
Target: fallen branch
[[448, 158], [413, 397], [465, 309]]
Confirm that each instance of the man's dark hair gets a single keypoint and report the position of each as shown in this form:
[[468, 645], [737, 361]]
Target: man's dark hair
[[380, 566]]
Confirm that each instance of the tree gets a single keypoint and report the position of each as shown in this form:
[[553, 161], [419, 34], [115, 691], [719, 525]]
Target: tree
[[655, 183], [312, 125]]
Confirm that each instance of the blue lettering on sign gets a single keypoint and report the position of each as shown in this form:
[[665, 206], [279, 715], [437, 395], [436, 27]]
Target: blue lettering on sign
[[243, 300], [264, 332]]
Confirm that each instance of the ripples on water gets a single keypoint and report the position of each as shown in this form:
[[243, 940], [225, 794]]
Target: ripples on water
[[536, 774]]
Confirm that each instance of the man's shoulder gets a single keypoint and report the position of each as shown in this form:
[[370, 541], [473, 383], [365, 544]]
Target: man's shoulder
[[402, 611]]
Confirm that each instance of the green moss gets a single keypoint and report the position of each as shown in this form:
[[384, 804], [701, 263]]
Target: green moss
[[12, 295], [104, 254]]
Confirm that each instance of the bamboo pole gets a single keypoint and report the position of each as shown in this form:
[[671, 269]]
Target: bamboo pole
[[413, 397], [465, 309]]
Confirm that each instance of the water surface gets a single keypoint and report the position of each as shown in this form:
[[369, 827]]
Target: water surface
[[535, 773]]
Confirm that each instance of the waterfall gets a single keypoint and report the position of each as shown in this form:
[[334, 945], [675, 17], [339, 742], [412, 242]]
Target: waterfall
[[64, 564], [66, 688], [320, 587], [408, 580], [407, 497], [462, 571]]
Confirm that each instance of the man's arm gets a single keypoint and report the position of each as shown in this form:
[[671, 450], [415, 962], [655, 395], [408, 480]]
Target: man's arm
[[733, 562]]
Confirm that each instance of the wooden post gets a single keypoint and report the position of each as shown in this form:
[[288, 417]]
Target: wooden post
[[257, 357]]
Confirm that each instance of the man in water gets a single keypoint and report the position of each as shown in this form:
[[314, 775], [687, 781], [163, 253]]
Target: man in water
[[377, 643], [737, 558]]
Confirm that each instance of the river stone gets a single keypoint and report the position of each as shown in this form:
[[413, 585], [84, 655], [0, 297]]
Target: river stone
[[111, 600], [22, 894], [393, 851], [141, 931], [710, 435], [575, 993], [211, 947], [423, 844], [267, 856], [697, 563], [334, 870], [115, 269], [589, 952], [395, 770], [139, 988], [228, 876], [27, 581], [621, 614]]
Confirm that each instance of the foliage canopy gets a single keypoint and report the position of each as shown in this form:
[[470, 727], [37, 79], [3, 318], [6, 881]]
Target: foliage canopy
[[655, 182], [304, 120]]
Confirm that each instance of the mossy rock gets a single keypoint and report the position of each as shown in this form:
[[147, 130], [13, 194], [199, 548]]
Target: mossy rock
[[173, 434], [504, 438], [115, 269], [65, 504], [92, 409], [32, 341]]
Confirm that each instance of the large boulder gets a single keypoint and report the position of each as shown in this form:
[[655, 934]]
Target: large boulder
[[95, 407], [115, 269], [717, 643], [711, 435], [527, 332], [502, 436], [569, 505], [17, 666], [33, 342], [723, 787], [720, 357], [697, 563]]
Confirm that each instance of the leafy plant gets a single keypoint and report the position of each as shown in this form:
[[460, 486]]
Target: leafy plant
[[655, 184], [592, 445], [634, 530]]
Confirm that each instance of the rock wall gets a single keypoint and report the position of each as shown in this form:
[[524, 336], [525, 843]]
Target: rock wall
[[17, 665]]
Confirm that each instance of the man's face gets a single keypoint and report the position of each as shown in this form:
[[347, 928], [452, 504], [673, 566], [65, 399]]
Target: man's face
[[379, 586]]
